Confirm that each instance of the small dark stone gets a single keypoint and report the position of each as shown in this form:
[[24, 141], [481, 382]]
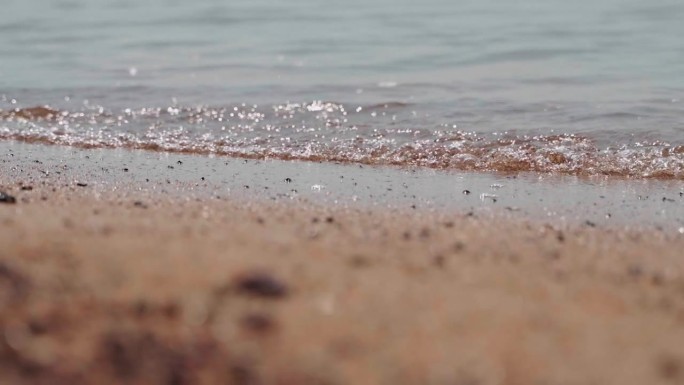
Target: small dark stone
[[590, 223], [466, 192], [6, 198], [288, 180], [139, 204], [202, 178], [179, 162], [260, 284], [37, 327], [169, 166], [560, 236], [330, 219], [26, 188], [81, 184], [125, 170], [258, 322]]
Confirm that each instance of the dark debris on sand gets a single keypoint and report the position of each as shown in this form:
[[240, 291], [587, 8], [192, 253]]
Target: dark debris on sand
[[6, 198], [260, 284]]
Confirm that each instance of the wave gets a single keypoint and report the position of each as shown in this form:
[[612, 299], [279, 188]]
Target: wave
[[327, 132]]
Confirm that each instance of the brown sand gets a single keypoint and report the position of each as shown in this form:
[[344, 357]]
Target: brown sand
[[98, 289]]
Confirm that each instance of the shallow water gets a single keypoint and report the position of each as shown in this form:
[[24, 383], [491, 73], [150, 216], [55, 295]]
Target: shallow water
[[582, 88]]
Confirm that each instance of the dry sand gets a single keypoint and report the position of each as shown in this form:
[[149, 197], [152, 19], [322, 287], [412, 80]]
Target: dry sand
[[147, 288], [140, 268]]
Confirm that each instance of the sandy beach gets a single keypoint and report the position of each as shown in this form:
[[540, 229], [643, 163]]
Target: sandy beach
[[377, 192], [116, 283]]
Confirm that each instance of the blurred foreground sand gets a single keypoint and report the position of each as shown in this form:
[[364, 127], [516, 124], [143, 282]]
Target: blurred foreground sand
[[105, 290]]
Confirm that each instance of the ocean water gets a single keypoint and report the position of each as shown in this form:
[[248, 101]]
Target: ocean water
[[583, 87]]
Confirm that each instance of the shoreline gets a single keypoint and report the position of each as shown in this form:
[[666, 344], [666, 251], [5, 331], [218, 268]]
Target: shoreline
[[558, 200], [122, 280]]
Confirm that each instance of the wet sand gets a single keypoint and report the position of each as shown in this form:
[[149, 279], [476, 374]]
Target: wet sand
[[106, 280]]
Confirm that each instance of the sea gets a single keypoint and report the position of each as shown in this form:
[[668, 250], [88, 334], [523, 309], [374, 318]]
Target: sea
[[585, 87]]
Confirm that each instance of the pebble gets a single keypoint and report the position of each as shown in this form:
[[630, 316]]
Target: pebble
[[259, 284], [6, 198]]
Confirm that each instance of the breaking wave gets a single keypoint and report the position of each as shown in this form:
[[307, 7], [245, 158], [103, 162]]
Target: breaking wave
[[378, 134]]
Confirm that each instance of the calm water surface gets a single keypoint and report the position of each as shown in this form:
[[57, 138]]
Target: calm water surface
[[582, 87]]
